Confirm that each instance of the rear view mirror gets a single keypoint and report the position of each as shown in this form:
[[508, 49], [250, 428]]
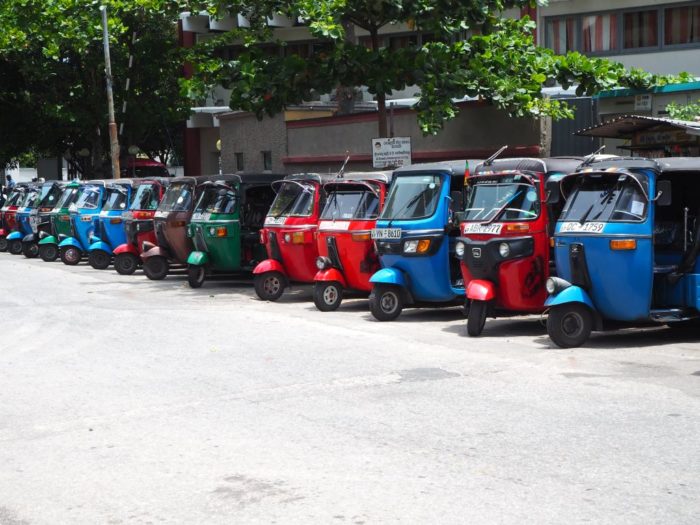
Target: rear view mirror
[[663, 193], [456, 201], [553, 191]]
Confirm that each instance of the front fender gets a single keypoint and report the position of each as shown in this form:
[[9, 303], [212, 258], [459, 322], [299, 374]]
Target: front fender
[[153, 252], [15, 236], [198, 258], [48, 240], [100, 245], [71, 241], [389, 276], [126, 248], [269, 265], [331, 274], [572, 294], [480, 290], [29, 238]]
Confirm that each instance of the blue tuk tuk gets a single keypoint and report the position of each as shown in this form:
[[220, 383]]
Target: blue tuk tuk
[[415, 238], [23, 215], [109, 232], [626, 248], [84, 220]]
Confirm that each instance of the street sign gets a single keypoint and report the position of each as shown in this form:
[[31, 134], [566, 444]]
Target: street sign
[[391, 152]]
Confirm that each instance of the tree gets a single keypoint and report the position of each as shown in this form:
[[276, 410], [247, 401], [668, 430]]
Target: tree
[[52, 86], [690, 111], [498, 60]]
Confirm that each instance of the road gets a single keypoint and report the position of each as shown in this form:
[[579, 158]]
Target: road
[[129, 401]]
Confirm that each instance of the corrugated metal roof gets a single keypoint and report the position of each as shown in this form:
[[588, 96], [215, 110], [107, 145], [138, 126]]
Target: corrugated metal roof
[[626, 126]]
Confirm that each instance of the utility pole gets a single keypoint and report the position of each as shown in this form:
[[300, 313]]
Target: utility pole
[[113, 137]]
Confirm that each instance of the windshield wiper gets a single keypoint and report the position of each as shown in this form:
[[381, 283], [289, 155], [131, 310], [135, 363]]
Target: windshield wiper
[[406, 206], [502, 209]]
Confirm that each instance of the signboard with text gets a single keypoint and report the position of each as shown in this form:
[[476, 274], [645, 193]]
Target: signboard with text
[[391, 152]]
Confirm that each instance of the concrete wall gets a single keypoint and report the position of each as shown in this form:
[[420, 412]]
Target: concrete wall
[[244, 133]]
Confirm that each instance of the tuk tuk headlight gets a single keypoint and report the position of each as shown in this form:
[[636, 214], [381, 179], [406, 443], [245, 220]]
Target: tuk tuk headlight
[[555, 285], [504, 249], [323, 262], [459, 249], [416, 246]]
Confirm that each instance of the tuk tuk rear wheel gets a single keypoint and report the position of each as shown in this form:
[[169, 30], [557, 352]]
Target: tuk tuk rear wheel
[[328, 295], [30, 249], [48, 252], [14, 246], [99, 259], [70, 255], [269, 285], [156, 267], [569, 325], [126, 263], [385, 302], [3, 244], [477, 317], [195, 275]]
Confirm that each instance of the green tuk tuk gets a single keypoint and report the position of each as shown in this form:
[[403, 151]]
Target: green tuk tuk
[[60, 225]]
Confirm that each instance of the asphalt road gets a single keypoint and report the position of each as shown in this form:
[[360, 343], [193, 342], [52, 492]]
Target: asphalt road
[[129, 401]]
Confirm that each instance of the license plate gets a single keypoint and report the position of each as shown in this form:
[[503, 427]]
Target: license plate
[[275, 220], [586, 227], [475, 227], [386, 233], [201, 216]]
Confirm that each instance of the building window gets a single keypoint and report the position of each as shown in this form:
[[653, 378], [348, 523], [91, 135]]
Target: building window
[[239, 161], [267, 160], [400, 42], [599, 33], [562, 34], [641, 29], [681, 25]]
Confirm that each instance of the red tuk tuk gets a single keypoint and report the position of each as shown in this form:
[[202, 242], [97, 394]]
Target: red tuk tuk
[[8, 221], [347, 258], [506, 230], [289, 234]]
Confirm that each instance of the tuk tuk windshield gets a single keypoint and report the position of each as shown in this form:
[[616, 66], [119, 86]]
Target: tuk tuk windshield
[[412, 197], [146, 197], [116, 199], [50, 195], [15, 198], [605, 199], [90, 198], [217, 199], [29, 198], [293, 199], [68, 197], [503, 197], [177, 198], [351, 204]]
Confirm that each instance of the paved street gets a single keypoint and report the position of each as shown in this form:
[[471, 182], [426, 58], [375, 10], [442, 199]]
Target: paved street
[[129, 401]]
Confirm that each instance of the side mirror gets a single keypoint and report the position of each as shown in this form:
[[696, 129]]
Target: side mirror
[[456, 201], [553, 191], [663, 193]]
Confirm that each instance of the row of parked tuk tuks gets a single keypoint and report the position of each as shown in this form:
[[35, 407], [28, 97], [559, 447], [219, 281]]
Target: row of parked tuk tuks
[[593, 242]]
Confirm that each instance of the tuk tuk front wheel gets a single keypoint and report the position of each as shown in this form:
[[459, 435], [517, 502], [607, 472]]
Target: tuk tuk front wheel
[[195, 275], [70, 255], [569, 325], [385, 302], [30, 249], [156, 267], [3, 244], [48, 252], [328, 295], [14, 247], [126, 263], [269, 286], [99, 259], [477, 317]]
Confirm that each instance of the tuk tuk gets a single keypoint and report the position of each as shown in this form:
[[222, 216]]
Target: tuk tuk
[[226, 223], [24, 216], [8, 213], [415, 238], [347, 258], [138, 223], [626, 248], [289, 234], [170, 225], [109, 232], [506, 228], [40, 217], [59, 222], [84, 216]]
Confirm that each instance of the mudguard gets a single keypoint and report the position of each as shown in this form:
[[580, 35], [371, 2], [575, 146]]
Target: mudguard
[[29, 238], [71, 241], [198, 258], [15, 236], [389, 276], [125, 248], [153, 252], [48, 240], [94, 239], [572, 294], [100, 245], [481, 290], [269, 265], [331, 274]]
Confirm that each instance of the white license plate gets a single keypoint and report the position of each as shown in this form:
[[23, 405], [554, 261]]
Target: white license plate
[[475, 227], [275, 220], [386, 233], [586, 227]]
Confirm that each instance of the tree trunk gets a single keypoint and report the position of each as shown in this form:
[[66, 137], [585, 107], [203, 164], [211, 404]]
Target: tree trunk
[[381, 97]]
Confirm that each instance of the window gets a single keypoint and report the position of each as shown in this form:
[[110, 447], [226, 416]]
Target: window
[[681, 25], [562, 34], [641, 29], [239, 161], [267, 160], [400, 42], [599, 33]]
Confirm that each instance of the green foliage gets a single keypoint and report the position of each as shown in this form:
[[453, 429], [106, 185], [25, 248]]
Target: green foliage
[[688, 112]]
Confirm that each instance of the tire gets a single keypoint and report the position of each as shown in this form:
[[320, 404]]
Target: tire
[[126, 263], [328, 295], [569, 325], [477, 317], [195, 275], [385, 302], [3, 244], [156, 267], [48, 252], [30, 250], [99, 259], [70, 255], [269, 285], [14, 246]]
